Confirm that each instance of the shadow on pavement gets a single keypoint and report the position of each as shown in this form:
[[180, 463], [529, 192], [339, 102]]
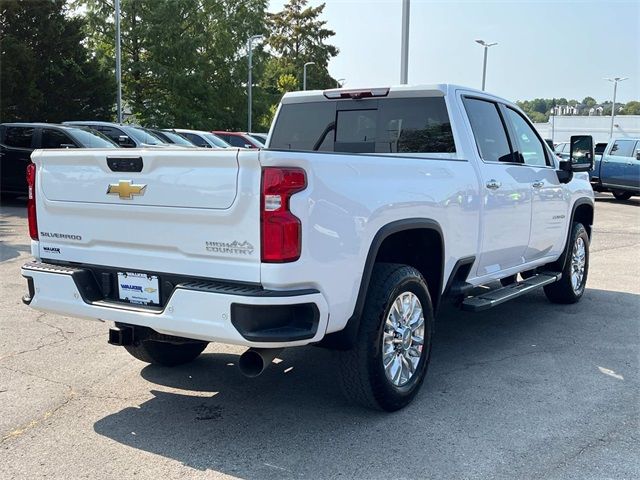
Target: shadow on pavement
[[13, 208], [609, 198], [501, 383]]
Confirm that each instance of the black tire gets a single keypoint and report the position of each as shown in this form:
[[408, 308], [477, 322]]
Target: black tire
[[620, 195], [165, 353], [361, 368], [563, 291]]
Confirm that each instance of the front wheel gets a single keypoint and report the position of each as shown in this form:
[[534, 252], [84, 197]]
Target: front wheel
[[570, 288], [620, 195], [386, 367]]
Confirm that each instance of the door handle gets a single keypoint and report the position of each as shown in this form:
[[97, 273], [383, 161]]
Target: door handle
[[493, 184], [539, 184]]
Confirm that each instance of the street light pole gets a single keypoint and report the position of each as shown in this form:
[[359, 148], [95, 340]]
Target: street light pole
[[304, 74], [250, 79], [613, 106], [484, 66], [404, 45], [118, 65]]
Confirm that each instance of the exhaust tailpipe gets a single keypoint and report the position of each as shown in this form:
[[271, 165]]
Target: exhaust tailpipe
[[256, 360]]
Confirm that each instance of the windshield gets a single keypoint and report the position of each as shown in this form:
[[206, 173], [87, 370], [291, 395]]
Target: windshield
[[90, 138], [177, 139], [217, 141], [142, 136]]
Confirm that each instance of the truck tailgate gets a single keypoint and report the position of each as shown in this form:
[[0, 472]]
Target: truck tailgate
[[186, 211]]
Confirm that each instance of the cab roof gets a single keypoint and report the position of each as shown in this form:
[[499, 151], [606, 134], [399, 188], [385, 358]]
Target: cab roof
[[395, 91]]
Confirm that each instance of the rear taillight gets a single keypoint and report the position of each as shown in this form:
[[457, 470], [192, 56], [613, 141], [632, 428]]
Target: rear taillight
[[281, 229], [31, 202]]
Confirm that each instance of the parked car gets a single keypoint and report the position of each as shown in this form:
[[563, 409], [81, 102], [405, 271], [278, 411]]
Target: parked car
[[203, 139], [239, 139], [365, 213], [617, 170], [19, 140], [172, 137], [127, 136]]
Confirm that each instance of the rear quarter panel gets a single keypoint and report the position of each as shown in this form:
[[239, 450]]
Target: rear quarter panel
[[349, 198]]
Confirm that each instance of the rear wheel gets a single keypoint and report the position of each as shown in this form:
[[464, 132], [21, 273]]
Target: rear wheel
[[387, 365], [165, 353], [621, 195], [570, 288]]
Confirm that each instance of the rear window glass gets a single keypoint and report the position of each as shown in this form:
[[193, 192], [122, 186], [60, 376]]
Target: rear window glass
[[402, 125], [55, 139]]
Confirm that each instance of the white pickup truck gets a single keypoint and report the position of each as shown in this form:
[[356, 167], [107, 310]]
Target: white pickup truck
[[366, 211]]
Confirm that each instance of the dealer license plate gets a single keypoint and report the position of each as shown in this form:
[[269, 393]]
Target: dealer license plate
[[138, 288]]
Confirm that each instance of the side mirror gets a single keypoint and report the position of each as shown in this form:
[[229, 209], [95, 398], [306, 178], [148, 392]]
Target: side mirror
[[638, 155], [581, 153]]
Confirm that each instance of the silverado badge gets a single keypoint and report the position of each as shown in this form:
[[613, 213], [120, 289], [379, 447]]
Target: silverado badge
[[125, 189]]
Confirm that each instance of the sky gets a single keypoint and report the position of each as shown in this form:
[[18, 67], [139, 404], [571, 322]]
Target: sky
[[545, 48]]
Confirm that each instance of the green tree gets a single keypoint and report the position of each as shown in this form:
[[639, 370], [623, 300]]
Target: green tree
[[631, 108], [184, 63], [589, 102], [298, 35], [46, 73], [287, 83]]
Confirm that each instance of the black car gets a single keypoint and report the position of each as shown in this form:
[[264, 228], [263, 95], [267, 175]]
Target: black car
[[127, 136], [18, 140]]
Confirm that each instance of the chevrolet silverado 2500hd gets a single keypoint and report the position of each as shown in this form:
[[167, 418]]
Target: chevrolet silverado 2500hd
[[366, 210]]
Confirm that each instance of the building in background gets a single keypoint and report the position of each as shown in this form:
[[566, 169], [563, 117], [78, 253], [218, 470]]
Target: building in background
[[560, 128]]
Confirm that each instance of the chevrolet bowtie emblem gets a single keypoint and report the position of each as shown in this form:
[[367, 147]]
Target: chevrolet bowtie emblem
[[125, 189]]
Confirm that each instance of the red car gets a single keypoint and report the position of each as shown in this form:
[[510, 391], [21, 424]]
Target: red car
[[239, 139]]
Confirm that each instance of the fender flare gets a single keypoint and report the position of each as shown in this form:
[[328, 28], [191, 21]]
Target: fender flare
[[559, 264], [346, 337]]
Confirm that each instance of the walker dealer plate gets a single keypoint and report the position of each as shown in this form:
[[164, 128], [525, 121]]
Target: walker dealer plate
[[138, 288]]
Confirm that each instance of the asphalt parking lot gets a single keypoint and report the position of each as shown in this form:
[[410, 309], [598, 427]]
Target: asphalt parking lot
[[526, 390]]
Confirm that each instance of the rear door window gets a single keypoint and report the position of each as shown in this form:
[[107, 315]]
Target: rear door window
[[388, 125], [56, 139], [18, 137], [488, 130], [622, 148]]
